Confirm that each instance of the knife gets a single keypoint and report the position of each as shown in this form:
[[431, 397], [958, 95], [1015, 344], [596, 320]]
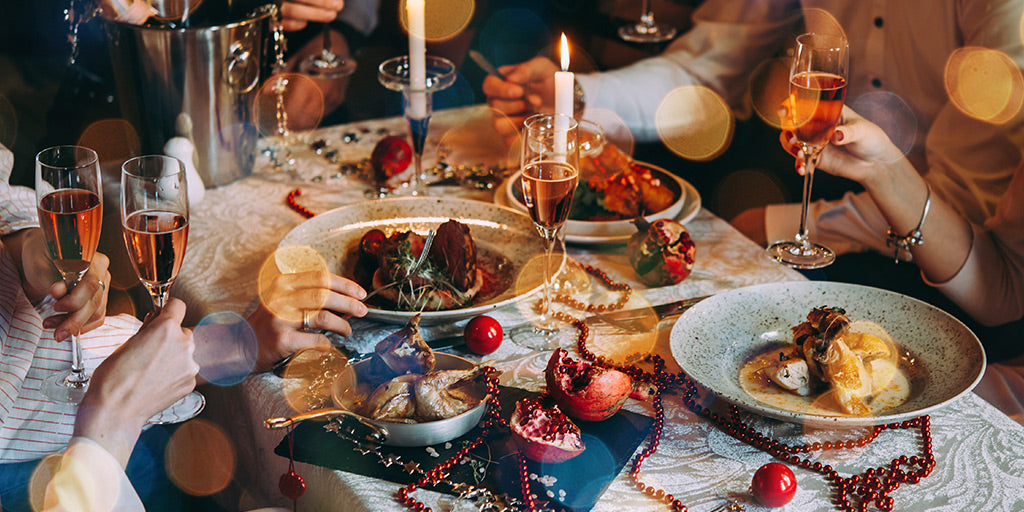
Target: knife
[[640, 319]]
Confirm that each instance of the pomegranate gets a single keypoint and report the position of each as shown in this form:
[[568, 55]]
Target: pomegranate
[[589, 392], [544, 434], [661, 252]]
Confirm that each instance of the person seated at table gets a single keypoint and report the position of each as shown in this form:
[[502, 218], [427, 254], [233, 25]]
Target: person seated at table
[[37, 314], [145, 375], [980, 267], [896, 52]]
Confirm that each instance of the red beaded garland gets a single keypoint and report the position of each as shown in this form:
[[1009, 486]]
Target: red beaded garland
[[874, 485], [290, 200]]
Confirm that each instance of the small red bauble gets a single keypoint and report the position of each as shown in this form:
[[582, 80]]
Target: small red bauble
[[774, 485], [390, 156], [483, 335], [292, 485]]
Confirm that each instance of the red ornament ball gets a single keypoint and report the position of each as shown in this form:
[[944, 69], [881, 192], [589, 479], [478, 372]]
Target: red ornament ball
[[390, 156], [291, 485], [483, 335], [774, 485]]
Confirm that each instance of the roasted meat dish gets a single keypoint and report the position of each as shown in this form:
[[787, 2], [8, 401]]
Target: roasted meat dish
[[449, 278], [614, 187]]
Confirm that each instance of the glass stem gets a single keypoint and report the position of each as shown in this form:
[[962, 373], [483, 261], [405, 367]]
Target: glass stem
[[549, 246], [77, 377], [810, 160], [327, 39], [647, 16]]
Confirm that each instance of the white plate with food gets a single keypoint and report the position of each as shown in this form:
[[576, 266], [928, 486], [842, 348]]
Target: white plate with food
[[608, 200], [896, 359], [503, 241]]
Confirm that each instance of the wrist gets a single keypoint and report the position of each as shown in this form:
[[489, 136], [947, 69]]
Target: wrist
[[109, 427]]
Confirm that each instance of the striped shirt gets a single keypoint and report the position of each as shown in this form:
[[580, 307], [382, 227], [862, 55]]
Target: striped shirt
[[31, 425]]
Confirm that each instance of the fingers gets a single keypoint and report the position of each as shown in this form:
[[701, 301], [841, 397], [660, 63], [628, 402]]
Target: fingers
[[296, 15], [86, 305], [322, 319]]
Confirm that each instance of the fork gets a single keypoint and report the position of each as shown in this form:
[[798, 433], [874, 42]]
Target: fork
[[411, 271]]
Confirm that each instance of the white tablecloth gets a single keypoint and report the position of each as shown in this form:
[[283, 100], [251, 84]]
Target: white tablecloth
[[980, 451]]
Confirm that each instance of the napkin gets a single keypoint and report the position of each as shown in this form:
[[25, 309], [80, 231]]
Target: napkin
[[573, 485]]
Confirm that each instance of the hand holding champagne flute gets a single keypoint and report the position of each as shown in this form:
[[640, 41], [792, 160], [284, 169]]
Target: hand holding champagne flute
[[550, 172], [154, 219], [817, 89], [70, 200]]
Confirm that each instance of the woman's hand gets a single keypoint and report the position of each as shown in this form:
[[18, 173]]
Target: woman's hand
[[859, 150], [319, 299], [144, 376], [296, 14]]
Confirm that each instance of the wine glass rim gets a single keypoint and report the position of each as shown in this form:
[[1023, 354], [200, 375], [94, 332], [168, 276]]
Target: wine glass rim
[[827, 41], [91, 158], [130, 169], [549, 117]]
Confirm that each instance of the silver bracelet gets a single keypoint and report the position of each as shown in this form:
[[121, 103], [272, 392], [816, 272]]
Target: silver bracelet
[[914, 238]]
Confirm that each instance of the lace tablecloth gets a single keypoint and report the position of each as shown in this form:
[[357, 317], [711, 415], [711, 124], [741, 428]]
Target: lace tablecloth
[[980, 451]]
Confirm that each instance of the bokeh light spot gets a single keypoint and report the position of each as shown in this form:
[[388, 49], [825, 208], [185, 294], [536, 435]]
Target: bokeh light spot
[[308, 379], [615, 129], [292, 259], [475, 140], [200, 458], [114, 140], [442, 19], [288, 103], [226, 348], [8, 122], [694, 122], [891, 114], [984, 84], [625, 340], [510, 35], [40, 478], [769, 88], [822, 22]]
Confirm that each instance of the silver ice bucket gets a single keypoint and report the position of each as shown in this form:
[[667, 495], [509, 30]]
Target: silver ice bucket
[[196, 82]]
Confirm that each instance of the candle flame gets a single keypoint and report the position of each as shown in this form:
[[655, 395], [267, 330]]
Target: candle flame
[[565, 53]]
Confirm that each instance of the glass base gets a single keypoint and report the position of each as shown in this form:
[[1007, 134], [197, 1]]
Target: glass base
[[642, 33], [60, 388], [802, 255], [327, 65], [535, 336], [183, 410]]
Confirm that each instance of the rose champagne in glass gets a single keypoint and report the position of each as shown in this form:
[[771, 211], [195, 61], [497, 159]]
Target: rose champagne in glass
[[817, 89], [154, 221], [69, 197], [550, 173]]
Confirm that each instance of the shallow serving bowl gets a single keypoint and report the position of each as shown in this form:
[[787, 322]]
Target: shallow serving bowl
[[715, 338], [506, 240]]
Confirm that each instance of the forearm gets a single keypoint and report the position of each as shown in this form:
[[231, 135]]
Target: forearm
[[110, 428], [900, 193]]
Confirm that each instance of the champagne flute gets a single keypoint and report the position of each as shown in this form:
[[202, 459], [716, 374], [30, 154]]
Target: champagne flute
[[817, 89], [647, 30], [550, 172], [154, 220], [69, 196]]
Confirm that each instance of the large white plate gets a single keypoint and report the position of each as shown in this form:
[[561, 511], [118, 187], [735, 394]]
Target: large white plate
[[505, 240], [714, 338], [685, 208]]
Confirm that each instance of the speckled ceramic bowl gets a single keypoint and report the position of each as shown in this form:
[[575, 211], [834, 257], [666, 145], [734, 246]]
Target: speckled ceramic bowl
[[715, 338], [505, 240]]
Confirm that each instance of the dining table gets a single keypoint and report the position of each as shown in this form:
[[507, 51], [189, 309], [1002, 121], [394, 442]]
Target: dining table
[[979, 451]]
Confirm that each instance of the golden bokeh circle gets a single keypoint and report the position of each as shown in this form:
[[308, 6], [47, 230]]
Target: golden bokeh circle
[[694, 122], [292, 259], [309, 377], [114, 140], [984, 84], [615, 128], [287, 103], [200, 458], [442, 19], [769, 88], [822, 22]]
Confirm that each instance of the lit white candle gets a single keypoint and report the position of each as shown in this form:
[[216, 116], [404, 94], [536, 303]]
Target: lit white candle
[[417, 60], [563, 101]]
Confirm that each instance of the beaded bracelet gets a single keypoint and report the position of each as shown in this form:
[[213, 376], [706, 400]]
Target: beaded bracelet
[[914, 238]]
